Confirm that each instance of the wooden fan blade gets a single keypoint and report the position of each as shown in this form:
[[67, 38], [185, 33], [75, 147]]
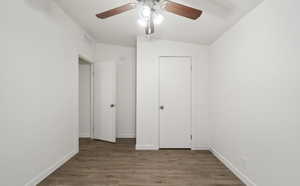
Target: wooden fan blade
[[182, 10], [116, 11]]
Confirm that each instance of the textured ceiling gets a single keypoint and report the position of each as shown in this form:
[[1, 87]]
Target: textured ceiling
[[218, 16]]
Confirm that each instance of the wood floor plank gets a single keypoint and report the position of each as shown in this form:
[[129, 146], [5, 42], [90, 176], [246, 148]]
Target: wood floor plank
[[105, 164]]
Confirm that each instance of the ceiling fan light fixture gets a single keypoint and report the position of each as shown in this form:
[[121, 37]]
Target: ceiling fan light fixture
[[142, 22], [158, 19], [146, 11]]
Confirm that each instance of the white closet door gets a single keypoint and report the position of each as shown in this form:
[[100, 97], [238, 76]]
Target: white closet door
[[105, 101], [175, 102]]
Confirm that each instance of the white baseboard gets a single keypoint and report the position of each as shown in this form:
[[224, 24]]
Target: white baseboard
[[153, 147], [50, 170], [233, 169], [200, 148], [126, 135], [84, 135], [146, 147]]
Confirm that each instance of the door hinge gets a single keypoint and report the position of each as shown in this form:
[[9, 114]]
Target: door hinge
[[191, 68], [191, 137]]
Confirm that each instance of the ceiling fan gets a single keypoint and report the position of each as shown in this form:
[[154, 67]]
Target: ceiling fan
[[150, 12]]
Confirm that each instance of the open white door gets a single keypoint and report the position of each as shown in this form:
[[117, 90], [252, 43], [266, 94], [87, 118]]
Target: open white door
[[105, 101], [175, 102]]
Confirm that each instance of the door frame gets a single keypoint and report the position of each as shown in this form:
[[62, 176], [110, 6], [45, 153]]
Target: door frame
[[191, 97], [91, 93]]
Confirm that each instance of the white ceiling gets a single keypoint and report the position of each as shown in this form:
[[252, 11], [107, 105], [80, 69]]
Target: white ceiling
[[217, 17]]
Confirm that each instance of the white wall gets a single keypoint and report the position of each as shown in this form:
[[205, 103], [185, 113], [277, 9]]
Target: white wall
[[39, 89], [148, 53], [255, 94], [84, 100], [125, 58]]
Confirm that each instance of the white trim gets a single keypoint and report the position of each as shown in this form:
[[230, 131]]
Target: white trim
[[139, 83], [126, 135], [146, 147], [201, 148], [84, 135], [44, 174], [92, 102], [233, 169]]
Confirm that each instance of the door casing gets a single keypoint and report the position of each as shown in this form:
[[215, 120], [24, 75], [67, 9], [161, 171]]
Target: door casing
[[81, 58]]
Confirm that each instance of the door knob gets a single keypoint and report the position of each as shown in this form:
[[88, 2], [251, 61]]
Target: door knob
[[112, 105], [162, 107]]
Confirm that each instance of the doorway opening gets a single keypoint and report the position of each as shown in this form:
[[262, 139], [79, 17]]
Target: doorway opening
[[106, 100], [86, 99]]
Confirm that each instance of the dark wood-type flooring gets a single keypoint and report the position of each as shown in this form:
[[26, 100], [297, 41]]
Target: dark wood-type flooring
[[105, 164]]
